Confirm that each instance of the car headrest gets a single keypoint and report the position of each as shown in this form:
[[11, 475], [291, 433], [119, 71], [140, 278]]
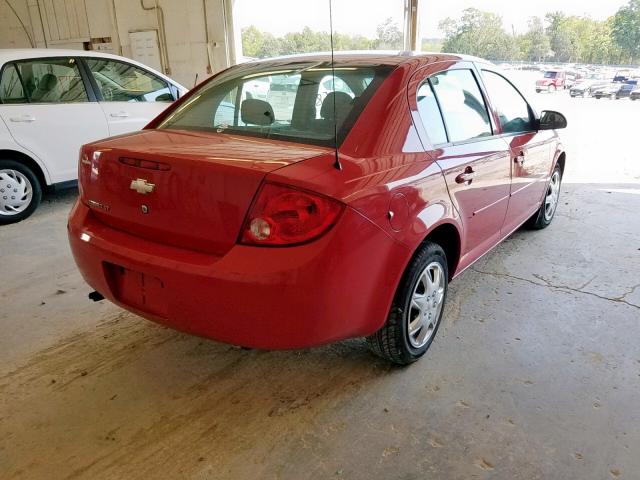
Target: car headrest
[[48, 82], [343, 104], [256, 112]]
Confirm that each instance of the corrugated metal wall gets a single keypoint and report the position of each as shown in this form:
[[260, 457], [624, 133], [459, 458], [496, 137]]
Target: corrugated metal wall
[[64, 20]]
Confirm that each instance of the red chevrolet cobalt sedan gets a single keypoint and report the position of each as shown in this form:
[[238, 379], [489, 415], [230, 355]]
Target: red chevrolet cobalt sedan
[[294, 202]]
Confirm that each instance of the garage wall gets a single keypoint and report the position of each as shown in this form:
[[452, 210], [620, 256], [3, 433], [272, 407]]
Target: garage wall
[[189, 36]]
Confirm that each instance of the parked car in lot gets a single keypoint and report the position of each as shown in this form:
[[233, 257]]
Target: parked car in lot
[[622, 76], [274, 232], [626, 88], [584, 87], [552, 81], [54, 101], [635, 94], [605, 91]]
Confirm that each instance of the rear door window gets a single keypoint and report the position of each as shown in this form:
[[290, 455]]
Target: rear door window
[[11, 90], [55, 80], [463, 107]]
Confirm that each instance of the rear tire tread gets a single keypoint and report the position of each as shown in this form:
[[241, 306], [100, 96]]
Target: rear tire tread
[[389, 342]]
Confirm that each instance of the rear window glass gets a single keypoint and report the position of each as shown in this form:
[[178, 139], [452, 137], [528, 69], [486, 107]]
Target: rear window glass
[[298, 102]]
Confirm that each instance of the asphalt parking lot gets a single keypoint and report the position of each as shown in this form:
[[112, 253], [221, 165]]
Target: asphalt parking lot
[[534, 374]]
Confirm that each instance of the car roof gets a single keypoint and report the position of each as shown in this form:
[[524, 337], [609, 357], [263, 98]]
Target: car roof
[[10, 54], [14, 54], [379, 57]]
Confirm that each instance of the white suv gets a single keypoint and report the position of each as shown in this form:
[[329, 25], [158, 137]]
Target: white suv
[[54, 101]]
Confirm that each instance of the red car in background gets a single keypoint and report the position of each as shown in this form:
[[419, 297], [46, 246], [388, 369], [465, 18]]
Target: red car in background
[[236, 218], [552, 81]]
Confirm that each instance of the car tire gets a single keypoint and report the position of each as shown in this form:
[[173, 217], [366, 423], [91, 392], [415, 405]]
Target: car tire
[[417, 308], [544, 216], [17, 180]]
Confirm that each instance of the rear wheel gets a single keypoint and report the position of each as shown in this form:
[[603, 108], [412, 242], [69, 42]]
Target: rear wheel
[[20, 191], [417, 308], [543, 217]]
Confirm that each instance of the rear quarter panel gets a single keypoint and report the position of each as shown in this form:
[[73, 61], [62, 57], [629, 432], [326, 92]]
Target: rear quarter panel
[[386, 173]]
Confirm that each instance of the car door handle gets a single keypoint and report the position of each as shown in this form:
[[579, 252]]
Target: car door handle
[[23, 119], [119, 115], [519, 159], [466, 177]]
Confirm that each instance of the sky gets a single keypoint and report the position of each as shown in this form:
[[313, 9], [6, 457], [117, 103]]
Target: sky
[[362, 16]]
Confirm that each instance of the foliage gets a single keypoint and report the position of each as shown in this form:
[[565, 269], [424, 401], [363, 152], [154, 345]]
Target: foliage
[[259, 44], [478, 33], [557, 37], [554, 37], [536, 41], [389, 36], [626, 30]]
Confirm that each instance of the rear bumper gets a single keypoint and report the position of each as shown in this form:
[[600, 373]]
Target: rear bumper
[[337, 287]]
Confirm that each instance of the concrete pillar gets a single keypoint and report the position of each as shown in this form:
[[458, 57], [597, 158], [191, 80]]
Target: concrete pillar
[[411, 25]]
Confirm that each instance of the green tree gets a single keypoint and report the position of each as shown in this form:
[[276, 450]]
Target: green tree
[[626, 30], [252, 41], [535, 41], [561, 37], [478, 33], [390, 36]]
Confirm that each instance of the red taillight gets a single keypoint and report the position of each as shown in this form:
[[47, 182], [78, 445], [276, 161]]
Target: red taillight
[[286, 216]]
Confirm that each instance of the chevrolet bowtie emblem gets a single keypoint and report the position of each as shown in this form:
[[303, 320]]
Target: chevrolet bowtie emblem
[[141, 186]]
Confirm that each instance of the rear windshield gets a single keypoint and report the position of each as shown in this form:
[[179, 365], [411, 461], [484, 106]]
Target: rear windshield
[[304, 103], [551, 75]]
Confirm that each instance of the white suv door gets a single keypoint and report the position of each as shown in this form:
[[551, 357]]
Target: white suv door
[[130, 96], [50, 112]]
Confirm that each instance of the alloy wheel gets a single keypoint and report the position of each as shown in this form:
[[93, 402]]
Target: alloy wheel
[[553, 194], [426, 305]]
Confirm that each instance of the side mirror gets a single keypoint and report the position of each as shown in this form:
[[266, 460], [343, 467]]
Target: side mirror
[[550, 120]]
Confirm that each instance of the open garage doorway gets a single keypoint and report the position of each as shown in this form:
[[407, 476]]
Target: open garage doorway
[[229, 213]]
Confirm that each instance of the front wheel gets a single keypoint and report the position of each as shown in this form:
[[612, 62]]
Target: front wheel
[[416, 310], [20, 191], [543, 217]]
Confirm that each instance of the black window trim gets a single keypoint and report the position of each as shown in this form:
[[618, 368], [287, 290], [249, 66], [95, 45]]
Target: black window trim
[[474, 71], [532, 113], [94, 84]]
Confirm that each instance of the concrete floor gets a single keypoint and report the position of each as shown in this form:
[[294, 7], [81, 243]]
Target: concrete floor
[[535, 373]]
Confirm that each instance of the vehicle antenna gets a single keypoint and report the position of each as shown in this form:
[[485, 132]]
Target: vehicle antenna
[[337, 163]]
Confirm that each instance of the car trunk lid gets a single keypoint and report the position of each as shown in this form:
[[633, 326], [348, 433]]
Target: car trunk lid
[[181, 188]]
